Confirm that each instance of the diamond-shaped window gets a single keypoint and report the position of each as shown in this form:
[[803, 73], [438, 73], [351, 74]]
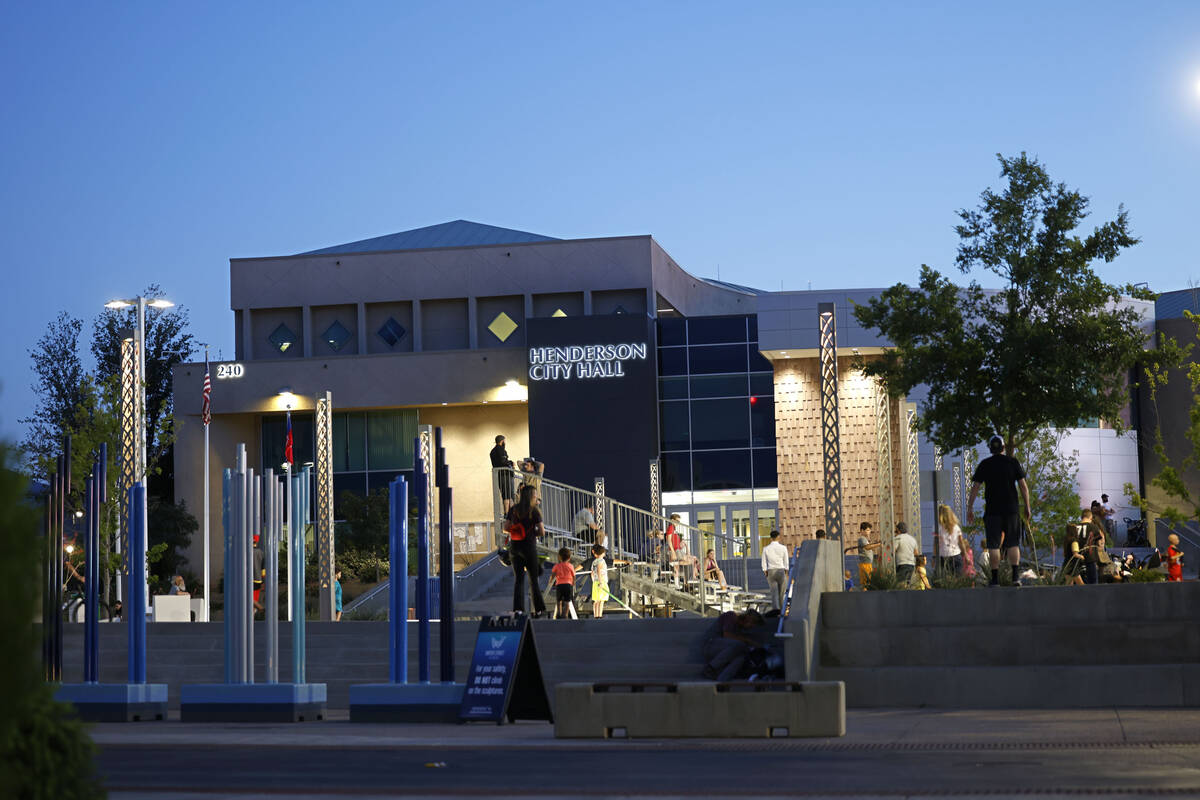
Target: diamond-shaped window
[[336, 335], [282, 337], [558, 312], [391, 332], [502, 326]]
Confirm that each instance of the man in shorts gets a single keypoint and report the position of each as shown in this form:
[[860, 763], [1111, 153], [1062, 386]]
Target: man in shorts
[[866, 558], [1000, 475]]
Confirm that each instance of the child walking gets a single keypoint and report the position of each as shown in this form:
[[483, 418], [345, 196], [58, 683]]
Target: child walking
[[564, 582], [1174, 559], [922, 577], [599, 581]]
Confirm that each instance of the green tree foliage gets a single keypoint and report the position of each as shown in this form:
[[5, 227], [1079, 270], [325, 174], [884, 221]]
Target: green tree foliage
[[168, 343], [170, 527], [1052, 347], [367, 528], [1052, 491], [44, 752], [1171, 356]]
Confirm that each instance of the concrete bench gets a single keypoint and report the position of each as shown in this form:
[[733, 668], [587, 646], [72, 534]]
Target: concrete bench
[[675, 710]]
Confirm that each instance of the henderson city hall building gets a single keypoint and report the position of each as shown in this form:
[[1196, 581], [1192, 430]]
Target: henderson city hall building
[[598, 357]]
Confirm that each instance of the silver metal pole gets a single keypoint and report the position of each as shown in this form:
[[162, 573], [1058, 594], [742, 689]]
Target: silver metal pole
[[205, 612], [274, 505], [255, 507], [141, 322], [291, 522]]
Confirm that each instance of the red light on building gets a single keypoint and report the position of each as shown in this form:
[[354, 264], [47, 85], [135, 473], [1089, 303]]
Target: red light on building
[[753, 400]]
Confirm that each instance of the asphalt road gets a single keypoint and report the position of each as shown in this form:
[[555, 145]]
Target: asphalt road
[[655, 769]]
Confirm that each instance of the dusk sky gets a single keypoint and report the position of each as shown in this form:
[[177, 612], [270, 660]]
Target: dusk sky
[[777, 144]]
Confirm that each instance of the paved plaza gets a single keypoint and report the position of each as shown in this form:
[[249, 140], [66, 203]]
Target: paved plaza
[[885, 753]]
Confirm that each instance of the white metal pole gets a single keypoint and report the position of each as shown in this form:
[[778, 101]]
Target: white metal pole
[[142, 466]]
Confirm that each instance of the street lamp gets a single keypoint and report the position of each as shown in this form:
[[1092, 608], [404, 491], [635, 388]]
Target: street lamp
[[141, 302], [139, 410]]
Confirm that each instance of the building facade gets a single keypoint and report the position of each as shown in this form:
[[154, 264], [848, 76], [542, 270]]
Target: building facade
[[597, 357]]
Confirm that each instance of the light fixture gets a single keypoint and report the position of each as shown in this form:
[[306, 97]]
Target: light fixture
[[485, 402], [286, 390], [854, 350], [78, 514], [70, 549], [445, 404], [160, 303], [116, 304], [511, 383]]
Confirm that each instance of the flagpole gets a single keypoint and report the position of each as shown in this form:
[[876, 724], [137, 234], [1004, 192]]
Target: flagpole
[[207, 574], [287, 459]]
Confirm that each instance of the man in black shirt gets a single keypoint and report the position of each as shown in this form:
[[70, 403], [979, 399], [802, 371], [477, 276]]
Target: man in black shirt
[[1000, 474], [500, 458]]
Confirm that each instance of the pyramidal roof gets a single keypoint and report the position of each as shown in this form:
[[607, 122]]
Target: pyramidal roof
[[459, 233]]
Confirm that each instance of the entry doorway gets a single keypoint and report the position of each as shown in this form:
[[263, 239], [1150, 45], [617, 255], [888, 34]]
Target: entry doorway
[[730, 528]]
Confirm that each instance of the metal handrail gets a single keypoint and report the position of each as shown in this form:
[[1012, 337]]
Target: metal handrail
[[629, 530], [787, 597]]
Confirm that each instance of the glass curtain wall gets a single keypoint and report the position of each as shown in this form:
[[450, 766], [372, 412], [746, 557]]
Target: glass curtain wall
[[370, 448], [717, 405]]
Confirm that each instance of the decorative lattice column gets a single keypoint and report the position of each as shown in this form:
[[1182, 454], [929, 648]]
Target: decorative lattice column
[[130, 455], [912, 466], [324, 495], [831, 454], [655, 489], [883, 447]]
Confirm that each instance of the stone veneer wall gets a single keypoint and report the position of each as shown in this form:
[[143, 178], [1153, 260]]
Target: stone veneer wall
[[798, 449]]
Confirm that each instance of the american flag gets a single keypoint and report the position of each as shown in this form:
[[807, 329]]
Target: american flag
[[287, 445], [206, 408]]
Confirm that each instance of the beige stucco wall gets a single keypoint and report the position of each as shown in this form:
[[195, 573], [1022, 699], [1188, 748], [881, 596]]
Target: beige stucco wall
[[468, 434]]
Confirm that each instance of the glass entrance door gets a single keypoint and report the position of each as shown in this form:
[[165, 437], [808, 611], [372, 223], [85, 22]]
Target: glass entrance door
[[728, 528]]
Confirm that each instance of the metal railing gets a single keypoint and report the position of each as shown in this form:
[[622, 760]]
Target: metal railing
[[787, 596], [630, 533]]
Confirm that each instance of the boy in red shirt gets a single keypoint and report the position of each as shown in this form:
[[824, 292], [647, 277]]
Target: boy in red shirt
[[564, 582], [1174, 559]]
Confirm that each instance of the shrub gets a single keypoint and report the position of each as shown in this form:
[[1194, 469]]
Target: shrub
[[883, 581], [1143, 575]]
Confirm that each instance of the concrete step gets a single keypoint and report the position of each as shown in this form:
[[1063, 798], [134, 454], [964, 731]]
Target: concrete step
[[1158, 685], [989, 644], [1041, 605]]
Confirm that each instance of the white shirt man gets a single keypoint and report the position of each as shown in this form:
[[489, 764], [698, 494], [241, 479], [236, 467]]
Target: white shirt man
[[775, 567], [907, 550]]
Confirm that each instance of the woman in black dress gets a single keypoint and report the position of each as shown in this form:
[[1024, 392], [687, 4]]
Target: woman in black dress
[[524, 524]]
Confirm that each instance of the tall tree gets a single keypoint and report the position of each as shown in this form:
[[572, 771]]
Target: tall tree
[[167, 343], [1054, 346], [1177, 476], [59, 387]]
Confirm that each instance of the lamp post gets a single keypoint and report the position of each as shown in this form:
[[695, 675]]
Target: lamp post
[[139, 411]]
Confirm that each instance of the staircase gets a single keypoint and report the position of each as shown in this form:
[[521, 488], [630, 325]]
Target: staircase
[[1055, 647], [346, 653]]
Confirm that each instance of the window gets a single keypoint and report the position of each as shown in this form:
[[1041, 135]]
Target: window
[[759, 362], [765, 468], [274, 433], [502, 326], [722, 469], [336, 336], [720, 423], [672, 388], [676, 472], [390, 437], [721, 358], [762, 383], [672, 331], [762, 422], [282, 337], [719, 385], [716, 330], [349, 442], [391, 332], [672, 361], [674, 427]]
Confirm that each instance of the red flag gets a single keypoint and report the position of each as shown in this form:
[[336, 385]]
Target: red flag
[[206, 408], [287, 445]]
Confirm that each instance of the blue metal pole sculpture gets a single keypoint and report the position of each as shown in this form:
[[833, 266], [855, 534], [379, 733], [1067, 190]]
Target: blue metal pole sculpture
[[398, 554], [137, 583], [91, 601], [421, 478], [273, 506]]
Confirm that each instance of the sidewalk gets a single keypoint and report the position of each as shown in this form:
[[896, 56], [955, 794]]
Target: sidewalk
[[875, 729]]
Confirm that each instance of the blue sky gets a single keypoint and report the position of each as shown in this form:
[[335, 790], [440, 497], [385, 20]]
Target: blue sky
[[783, 144]]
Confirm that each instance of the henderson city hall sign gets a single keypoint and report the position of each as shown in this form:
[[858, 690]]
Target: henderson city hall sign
[[582, 361]]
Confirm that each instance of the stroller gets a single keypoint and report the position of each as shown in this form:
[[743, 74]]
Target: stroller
[[1135, 533]]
